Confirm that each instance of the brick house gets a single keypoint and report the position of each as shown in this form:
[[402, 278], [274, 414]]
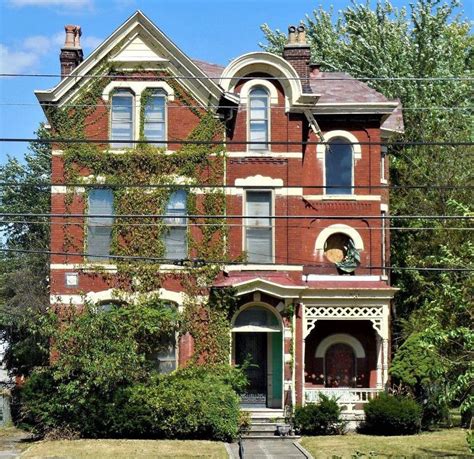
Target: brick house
[[304, 192]]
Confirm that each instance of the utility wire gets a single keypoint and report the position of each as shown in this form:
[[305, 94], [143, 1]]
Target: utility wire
[[230, 225], [201, 185], [204, 107], [237, 78], [232, 142], [224, 216], [198, 261]]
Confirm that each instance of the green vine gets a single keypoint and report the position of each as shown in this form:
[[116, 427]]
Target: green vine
[[207, 321]]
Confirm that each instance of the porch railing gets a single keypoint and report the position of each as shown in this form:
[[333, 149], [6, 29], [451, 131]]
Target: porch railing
[[347, 397]]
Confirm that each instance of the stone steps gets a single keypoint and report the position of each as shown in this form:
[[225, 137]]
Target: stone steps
[[264, 425]]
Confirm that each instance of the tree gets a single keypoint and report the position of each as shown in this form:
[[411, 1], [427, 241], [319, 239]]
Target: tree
[[428, 42], [24, 295]]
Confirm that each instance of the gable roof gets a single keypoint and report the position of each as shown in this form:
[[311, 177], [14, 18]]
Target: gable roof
[[138, 31], [139, 40]]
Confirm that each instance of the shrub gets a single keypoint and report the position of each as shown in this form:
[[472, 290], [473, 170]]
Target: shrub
[[176, 406], [323, 418], [392, 415], [195, 402]]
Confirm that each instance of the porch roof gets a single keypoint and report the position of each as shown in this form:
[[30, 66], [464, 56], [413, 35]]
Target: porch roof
[[284, 285]]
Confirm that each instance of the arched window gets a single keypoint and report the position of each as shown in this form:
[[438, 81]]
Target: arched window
[[256, 319], [339, 161], [121, 119], [176, 226], [259, 118], [154, 122]]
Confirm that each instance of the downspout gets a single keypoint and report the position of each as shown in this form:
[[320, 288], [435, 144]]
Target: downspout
[[370, 191]]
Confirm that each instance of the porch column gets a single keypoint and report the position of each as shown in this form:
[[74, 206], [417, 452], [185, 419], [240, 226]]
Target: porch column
[[299, 354], [385, 362], [378, 340]]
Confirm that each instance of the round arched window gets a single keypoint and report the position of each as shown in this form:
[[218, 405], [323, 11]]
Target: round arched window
[[257, 319]]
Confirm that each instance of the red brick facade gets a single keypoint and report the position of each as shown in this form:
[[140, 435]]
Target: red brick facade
[[294, 173]]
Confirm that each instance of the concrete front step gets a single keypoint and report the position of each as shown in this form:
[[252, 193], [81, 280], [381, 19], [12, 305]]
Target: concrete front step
[[270, 437]]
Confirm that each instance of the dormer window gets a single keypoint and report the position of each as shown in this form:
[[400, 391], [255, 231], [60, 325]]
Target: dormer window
[[258, 129], [339, 161], [154, 127], [122, 119]]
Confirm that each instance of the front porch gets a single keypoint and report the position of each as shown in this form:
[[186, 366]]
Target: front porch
[[352, 400]]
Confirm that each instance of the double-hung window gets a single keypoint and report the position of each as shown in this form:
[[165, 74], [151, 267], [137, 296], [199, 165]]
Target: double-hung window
[[339, 166], [258, 119], [166, 354], [122, 119], [154, 128], [99, 223], [176, 226], [258, 227]]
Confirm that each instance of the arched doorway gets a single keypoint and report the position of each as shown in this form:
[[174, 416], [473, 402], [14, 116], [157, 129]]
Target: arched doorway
[[257, 345], [340, 366]]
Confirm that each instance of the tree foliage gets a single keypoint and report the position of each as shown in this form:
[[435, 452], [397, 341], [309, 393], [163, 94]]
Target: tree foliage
[[24, 295], [413, 49]]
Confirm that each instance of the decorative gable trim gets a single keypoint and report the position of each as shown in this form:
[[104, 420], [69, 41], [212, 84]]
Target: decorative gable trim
[[169, 56]]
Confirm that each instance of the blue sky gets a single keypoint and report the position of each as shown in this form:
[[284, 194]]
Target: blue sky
[[32, 32]]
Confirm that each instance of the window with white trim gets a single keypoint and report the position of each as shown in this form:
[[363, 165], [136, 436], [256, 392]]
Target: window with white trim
[[154, 122], [165, 357], [258, 227], [258, 128], [99, 227], [122, 119], [339, 166], [176, 226]]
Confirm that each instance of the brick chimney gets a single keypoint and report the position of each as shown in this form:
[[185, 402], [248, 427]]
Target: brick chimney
[[71, 53], [298, 53]]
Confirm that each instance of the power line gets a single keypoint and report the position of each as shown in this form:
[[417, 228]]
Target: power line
[[224, 216], [237, 78], [186, 106], [234, 225], [232, 142], [223, 186], [199, 261]]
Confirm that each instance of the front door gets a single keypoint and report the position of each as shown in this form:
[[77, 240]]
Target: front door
[[251, 349]]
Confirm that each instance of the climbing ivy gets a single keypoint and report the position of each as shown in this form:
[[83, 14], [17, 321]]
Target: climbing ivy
[[207, 321]]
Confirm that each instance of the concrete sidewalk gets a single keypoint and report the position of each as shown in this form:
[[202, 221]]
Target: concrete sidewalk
[[259, 449]]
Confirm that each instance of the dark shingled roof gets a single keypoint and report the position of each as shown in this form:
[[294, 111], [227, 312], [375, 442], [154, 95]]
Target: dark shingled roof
[[334, 87], [211, 70]]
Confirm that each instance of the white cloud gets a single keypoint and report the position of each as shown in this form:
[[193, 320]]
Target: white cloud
[[16, 61], [69, 3], [90, 41], [26, 57]]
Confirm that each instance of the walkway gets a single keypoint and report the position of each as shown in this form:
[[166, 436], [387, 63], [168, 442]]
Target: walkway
[[269, 449]]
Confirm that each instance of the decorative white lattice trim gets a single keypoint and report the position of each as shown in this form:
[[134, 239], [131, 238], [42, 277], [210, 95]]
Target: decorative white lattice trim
[[373, 313]]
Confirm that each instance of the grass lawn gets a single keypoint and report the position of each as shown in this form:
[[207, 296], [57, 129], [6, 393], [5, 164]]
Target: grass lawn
[[115, 449], [449, 442]]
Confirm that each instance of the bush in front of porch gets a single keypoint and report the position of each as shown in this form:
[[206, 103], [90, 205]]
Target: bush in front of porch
[[392, 415], [322, 418]]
